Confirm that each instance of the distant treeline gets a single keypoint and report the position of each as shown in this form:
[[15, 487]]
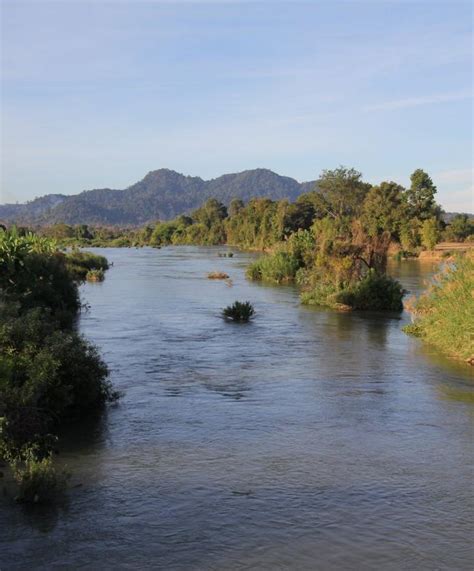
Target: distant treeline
[[411, 217]]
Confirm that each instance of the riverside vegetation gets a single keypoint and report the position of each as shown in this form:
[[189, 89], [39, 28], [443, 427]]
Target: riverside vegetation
[[49, 374], [444, 313]]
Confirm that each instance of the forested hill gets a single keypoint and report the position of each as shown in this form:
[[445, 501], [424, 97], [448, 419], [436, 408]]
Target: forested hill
[[163, 194]]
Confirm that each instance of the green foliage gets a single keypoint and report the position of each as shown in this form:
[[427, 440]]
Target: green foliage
[[384, 209], [37, 479], [239, 312], [430, 233], [280, 267], [421, 195], [34, 274], [48, 373], [444, 313], [81, 264], [375, 292], [341, 192], [283, 264], [410, 234], [459, 229]]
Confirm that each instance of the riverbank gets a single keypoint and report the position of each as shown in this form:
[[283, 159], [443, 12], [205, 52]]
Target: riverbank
[[444, 313]]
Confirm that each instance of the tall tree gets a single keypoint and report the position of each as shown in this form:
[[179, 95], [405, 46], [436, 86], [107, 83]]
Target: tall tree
[[421, 195], [341, 192], [384, 209]]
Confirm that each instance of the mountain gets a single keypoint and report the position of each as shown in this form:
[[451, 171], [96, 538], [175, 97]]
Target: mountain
[[161, 195]]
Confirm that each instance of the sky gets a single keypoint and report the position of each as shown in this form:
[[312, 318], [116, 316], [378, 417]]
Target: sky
[[98, 93]]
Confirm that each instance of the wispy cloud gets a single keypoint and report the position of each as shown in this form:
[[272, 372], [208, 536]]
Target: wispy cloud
[[460, 176], [417, 101]]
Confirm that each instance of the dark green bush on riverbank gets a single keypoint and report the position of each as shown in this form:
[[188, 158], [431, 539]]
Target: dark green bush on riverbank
[[33, 273], [375, 292], [49, 374]]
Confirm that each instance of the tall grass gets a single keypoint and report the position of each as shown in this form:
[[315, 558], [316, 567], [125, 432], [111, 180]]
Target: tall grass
[[444, 314]]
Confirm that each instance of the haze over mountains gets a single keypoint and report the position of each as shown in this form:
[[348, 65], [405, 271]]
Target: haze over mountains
[[161, 195]]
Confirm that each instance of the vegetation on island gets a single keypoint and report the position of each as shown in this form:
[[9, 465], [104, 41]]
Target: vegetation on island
[[443, 315], [333, 241], [49, 374]]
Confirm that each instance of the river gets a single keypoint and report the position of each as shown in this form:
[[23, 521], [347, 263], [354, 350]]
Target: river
[[306, 440]]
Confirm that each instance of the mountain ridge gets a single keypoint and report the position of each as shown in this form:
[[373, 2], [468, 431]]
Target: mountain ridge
[[161, 194]]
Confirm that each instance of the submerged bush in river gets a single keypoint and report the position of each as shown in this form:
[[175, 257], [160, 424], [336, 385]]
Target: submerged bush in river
[[239, 311], [37, 479], [95, 276]]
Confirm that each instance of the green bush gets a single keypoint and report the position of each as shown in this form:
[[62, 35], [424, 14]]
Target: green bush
[[34, 274], [79, 264], [239, 311], [280, 267], [321, 293], [374, 292], [37, 479], [48, 376]]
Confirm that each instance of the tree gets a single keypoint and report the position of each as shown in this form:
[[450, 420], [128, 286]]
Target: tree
[[460, 227], [384, 209], [341, 192], [211, 212], [430, 233], [235, 206], [420, 196]]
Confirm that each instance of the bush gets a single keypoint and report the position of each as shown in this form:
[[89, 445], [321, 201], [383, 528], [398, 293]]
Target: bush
[[95, 276], [240, 312], [374, 292], [47, 376], [280, 267], [34, 274], [37, 479], [79, 264]]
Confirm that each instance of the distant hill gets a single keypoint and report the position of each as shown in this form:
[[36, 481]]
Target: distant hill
[[161, 195]]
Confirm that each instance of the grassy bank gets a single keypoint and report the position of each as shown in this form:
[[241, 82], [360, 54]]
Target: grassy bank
[[443, 315]]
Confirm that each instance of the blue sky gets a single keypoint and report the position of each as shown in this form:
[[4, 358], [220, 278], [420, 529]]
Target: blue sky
[[96, 94]]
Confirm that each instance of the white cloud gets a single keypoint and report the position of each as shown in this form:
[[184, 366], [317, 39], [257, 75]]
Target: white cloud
[[416, 101]]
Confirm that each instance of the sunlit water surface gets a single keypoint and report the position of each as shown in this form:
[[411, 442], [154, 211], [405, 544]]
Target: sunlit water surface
[[308, 439]]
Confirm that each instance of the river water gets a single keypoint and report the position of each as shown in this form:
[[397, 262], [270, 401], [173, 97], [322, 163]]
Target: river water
[[308, 439]]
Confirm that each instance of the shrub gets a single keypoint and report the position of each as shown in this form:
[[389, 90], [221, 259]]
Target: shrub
[[95, 276], [47, 376], [374, 292], [280, 267], [34, 274], [37, 479], [240, 312], [79, 264]]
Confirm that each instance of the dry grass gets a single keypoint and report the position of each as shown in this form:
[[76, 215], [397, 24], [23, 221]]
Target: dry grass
[[218, 276]]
